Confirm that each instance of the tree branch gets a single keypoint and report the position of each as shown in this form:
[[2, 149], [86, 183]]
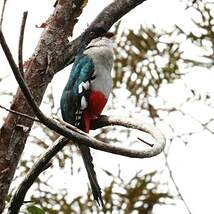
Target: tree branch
[[20, 114], [103, 121], [2, 13], [175, 184], [21, 38], [18, 198], [103, 22]]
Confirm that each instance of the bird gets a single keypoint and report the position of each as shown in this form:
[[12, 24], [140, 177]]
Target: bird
[[86, 94]]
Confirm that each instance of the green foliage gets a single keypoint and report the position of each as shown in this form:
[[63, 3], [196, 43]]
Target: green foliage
[[53, 203], [144, 61], [140, 194], [204, 36], [34, 210]]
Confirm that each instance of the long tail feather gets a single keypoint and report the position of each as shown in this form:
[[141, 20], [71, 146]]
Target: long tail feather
[[87, 159]]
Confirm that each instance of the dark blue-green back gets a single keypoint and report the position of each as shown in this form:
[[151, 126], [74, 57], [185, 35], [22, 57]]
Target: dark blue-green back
[[81, 71]]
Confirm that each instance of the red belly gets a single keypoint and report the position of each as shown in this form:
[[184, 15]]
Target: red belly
[[96, 103]]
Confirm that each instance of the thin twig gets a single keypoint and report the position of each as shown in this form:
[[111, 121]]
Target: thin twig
[[147, 143], [21, 38], [175, 184], [2, 13], [100, 120], [18, 76], [20, 114], [18, 198]]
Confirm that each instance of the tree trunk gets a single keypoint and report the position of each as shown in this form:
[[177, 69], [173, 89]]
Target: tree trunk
[[45, 62]]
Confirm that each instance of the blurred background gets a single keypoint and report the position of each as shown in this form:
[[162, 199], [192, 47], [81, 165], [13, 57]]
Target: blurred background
[[163, 74]]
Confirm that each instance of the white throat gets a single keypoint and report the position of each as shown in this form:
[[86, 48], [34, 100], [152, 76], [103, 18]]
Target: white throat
[[101, 42]]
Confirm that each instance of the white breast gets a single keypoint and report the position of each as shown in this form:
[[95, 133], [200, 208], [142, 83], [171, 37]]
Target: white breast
[[102, 57]]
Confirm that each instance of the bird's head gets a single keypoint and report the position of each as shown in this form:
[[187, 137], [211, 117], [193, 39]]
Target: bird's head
[[103, 41]]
